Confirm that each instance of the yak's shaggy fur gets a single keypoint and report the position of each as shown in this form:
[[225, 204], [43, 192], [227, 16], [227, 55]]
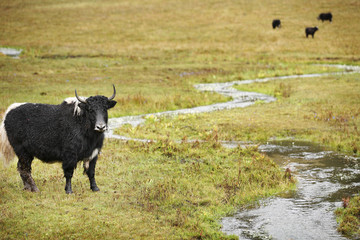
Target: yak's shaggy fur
[[276, 23], [325, 17], [311, 31], [70, 132]]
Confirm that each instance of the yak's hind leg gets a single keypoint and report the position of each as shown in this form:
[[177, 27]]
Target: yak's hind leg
[[24, 168], [90, 172]]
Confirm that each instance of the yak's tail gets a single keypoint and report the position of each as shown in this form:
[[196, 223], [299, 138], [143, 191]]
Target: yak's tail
[[6, 150]]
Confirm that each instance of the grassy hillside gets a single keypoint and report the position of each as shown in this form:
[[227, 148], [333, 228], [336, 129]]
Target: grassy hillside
[[154, 51]]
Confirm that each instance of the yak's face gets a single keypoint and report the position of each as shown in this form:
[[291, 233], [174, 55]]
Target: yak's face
[[96, 108]]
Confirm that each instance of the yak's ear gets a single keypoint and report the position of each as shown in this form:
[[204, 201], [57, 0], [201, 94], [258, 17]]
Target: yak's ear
[[111, 104], [82, 106]]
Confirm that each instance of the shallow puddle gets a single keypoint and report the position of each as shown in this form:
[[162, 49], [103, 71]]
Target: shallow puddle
[[12, 52], [324, 178]]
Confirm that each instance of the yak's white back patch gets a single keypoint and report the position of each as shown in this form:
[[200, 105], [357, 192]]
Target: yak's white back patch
[[73, 100]]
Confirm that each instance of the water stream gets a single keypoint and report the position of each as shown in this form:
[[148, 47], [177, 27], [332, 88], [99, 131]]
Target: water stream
[[324, 177], [239, 99], [11, 52]]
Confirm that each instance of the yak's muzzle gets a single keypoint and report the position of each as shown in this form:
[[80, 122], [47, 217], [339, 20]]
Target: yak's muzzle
[[101, 127]]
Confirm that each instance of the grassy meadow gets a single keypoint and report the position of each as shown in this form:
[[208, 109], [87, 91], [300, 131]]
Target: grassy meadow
[[154, 52], [307, 109], [348, 216]]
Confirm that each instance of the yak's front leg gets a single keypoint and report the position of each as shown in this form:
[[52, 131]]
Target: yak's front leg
[[69, 165], [90, 172], [68, 172]]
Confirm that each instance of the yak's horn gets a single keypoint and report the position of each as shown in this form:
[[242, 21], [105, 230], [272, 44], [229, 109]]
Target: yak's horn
[[78, 98], [112, 97]]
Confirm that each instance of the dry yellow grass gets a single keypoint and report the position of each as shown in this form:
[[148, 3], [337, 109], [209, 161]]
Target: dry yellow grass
[[216, 28]]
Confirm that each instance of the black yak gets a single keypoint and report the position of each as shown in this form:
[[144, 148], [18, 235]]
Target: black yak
[[325, 17], [311, 31], [276, 23], [70, 132]]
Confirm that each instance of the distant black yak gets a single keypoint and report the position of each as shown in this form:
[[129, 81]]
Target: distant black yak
[[325, 17], [70, 132], [276, 23], [311, 31]]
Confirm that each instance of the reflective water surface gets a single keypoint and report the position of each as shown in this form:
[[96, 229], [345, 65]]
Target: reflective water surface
[[324, 178]]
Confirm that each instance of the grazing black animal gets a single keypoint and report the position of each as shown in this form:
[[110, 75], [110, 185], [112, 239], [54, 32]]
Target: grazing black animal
[[311, 31], [325, 17], [276, 23], [70, 132]]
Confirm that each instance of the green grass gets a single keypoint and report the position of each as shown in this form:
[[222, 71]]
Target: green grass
[[158, 190], [349, 217], [324, 110], [154, 52]]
